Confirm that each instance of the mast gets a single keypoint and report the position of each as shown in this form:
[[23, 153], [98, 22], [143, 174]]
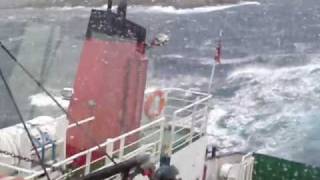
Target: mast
[[217, 59]]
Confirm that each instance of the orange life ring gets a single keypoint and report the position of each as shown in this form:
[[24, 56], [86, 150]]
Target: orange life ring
[[150, 101]]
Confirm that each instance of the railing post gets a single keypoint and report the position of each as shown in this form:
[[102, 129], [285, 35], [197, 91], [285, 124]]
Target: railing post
[[194, 108], [109, 150], [172, 134], [206, 118], [162, 129], [88, 163], [154, 150], [121, 148]]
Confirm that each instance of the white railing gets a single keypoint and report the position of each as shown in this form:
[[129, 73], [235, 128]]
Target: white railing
[[87, 120], [186, 123], [119, 148], [189, 123]]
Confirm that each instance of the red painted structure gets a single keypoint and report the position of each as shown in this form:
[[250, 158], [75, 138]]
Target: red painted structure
[[110, 82]]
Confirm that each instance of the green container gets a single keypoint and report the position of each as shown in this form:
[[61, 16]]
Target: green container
[[272, 168]]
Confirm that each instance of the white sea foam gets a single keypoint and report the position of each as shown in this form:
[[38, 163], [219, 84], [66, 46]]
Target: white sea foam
[[197, 10], [162, 9], [68, 8], [173, 56], [217, 113], [270, 110], [252, 71], [42, 100]]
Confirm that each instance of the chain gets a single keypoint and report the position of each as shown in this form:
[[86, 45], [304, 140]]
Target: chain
[[18, 156], [22, 158]]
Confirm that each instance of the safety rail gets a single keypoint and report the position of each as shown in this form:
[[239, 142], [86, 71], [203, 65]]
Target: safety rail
[[118, 149], [190, 123], [79, 123], [110, 146], [183, 126]]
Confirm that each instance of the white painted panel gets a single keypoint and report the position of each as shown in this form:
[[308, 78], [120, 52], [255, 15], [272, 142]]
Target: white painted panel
[[190, 160]]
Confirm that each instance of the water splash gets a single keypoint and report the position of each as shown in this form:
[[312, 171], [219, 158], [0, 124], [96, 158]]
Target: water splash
[[272, 110]]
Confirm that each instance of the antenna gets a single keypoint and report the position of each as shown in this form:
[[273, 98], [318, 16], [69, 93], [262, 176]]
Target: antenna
[[217, 60]]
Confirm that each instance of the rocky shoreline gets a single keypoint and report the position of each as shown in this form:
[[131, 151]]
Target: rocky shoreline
[[176, 3]]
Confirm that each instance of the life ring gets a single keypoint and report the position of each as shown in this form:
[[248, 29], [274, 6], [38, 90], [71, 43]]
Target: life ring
[[149, 112]]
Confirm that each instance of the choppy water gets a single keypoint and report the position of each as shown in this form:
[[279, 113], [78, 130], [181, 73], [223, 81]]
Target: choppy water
[[266, 94]]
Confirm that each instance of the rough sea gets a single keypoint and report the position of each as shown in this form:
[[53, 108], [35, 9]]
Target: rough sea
[[266, 94]]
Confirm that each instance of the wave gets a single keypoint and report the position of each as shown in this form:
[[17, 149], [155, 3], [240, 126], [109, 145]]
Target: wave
[[173, 56], [42, 100], [251, 71], [272, 111], [276, 74], [162, 9], [197, 10], [67, 8]]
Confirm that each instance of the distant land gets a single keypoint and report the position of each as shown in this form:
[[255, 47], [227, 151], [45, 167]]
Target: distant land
[[49, 3]]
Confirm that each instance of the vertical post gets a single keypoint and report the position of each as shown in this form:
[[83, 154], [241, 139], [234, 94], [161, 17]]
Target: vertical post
[[109, 150], [162, 129], [154, 148], [172, 136], [206, 116], [194, 108], [217, 58], [211, 77], [121, 148], [88, 163], [64, 148]]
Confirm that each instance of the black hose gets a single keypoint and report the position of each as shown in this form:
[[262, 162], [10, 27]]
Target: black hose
[[122, 167]]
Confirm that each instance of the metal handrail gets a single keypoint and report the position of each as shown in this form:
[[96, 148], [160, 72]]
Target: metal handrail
[[139, 129], [105, 143], [81, 122], [178, 116], [143, 138], [193, 104]]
